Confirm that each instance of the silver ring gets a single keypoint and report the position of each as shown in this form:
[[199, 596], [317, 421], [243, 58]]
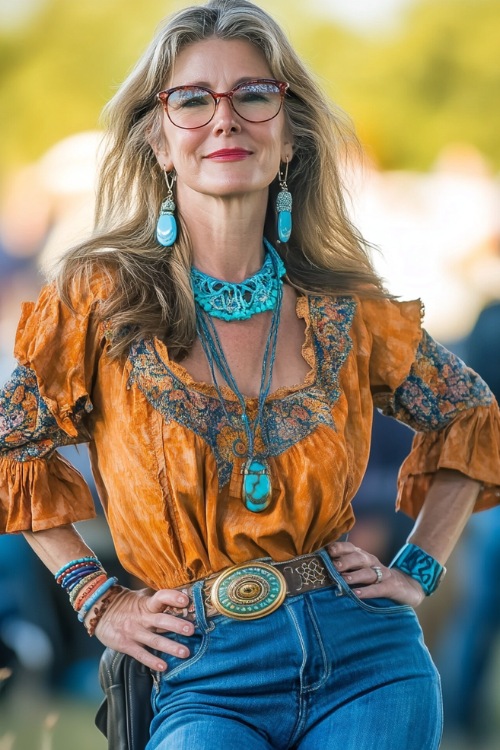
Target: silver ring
[[378, 572]]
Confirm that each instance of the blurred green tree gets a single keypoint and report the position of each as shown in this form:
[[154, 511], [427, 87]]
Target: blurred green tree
[[435, 80]]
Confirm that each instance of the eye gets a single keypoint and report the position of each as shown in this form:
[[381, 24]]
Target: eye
[[189, 99], [257, 92]]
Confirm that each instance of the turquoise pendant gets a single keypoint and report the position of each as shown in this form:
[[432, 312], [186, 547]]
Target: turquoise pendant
[[166, 228], [257, 490], [284, 209], [284, 225]]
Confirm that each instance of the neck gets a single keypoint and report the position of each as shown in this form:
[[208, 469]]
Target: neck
[[226, 233]]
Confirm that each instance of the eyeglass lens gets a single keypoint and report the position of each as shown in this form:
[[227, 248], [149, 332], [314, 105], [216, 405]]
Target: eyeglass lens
[[193, 106]]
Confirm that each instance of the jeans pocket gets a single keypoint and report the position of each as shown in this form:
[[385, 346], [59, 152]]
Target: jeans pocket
[[379, 605], [197, 645]]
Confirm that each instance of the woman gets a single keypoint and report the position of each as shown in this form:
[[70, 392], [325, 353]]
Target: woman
[[223, 365]]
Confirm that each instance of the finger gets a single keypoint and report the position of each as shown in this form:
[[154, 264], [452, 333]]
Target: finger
[[373, 591], [337, 549], [364, 576], [144, 656], [390, 589], [166, 597], [170, 623], [355, 561], [158, 642]]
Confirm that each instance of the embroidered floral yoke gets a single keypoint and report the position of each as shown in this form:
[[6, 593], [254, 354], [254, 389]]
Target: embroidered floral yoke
[[167, 461]]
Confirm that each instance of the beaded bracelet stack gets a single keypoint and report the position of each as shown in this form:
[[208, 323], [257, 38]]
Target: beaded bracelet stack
[[87, 583]]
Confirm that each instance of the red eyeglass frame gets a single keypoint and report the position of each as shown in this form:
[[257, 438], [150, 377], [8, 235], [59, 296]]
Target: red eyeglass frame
[[163, 97]]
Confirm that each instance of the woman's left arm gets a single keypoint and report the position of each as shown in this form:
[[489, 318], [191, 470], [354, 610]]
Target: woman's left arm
[[453, 467], [443, 516]]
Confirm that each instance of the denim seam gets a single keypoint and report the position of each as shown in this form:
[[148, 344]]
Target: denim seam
[[199, 607], [204, 627], [438, 735], [302, 713], [326, 666]]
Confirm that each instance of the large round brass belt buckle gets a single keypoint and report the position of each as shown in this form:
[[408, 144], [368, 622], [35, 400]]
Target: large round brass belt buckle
[[247, 592]]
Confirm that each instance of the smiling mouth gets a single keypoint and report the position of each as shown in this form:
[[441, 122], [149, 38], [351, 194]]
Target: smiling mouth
[[229, 154]]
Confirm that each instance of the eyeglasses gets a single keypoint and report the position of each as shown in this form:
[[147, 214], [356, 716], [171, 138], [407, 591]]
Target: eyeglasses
[[191, 107]]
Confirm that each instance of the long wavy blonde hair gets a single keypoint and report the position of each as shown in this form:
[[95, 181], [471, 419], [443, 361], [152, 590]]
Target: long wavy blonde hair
[[149, 289]]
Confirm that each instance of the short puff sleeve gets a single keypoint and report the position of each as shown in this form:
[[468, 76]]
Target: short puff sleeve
[[452, 410], [43, 406]]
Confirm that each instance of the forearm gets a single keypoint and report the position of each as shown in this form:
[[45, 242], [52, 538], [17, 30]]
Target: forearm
[[133, 622], [448, 506], [56, 547]]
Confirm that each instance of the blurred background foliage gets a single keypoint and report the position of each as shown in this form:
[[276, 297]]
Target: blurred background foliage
[[432, 79], [427, 80]]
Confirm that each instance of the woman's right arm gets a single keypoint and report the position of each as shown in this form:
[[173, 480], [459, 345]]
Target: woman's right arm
[[45, 405], [135, 620]]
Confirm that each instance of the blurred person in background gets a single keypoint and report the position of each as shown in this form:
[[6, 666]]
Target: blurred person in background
[[431, 229], [469, 637], [26, 619], [222, 351], [60, 189]]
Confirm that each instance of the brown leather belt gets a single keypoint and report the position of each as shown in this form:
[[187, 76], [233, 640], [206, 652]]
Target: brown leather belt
[[256, 588]]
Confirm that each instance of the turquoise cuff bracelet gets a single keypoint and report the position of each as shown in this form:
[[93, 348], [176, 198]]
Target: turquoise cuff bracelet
[[416, 563]]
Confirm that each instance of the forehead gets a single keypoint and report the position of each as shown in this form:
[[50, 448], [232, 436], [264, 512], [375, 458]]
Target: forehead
[[215, 62]]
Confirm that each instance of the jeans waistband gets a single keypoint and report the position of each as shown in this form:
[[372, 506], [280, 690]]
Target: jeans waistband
[[257, 587]]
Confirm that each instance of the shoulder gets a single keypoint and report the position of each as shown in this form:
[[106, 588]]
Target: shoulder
[[385, 331], [61, 316], [375, 314]]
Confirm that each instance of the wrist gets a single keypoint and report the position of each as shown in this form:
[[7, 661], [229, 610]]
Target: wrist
[[102, 605], [90, 589], [419, 565]]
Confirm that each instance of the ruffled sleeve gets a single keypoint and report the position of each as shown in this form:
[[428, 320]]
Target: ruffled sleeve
[[45, 405], [452, 410]]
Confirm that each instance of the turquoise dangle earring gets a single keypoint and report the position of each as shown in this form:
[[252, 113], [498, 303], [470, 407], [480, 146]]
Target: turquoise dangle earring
[[284, 207], [166, 228]]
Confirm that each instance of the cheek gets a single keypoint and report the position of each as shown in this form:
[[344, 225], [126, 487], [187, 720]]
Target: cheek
[[272, 154], [181, 146]]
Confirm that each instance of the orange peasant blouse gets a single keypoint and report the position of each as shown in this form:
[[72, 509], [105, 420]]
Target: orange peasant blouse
[[167, 462]]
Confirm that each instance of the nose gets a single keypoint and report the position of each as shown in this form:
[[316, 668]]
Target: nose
[[225, 119]]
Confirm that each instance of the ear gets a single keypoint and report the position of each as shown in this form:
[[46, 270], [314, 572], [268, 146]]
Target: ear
[[161, 150], [163, 156], [287, 148]]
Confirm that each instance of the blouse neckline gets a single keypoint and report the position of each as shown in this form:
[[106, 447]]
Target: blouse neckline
[[302, 310]]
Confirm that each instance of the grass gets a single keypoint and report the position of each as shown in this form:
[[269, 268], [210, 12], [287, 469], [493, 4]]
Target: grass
[[30, 719]]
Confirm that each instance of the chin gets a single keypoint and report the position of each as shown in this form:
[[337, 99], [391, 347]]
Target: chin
[[235, 188]]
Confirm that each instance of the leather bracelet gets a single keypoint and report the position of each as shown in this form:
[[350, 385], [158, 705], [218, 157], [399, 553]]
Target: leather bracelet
[[95, 596], [420, 566], [106, 601]]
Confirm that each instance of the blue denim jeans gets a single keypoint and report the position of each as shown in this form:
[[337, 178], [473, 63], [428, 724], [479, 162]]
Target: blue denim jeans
[[324, 671]]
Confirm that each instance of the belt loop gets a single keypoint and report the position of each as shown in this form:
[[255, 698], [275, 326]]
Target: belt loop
[[338, 580], [199, 606]]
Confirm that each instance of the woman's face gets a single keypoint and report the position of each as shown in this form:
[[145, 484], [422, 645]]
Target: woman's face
[[259, 148]]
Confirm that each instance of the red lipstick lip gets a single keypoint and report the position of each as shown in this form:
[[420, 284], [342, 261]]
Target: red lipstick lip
[[235, 153]]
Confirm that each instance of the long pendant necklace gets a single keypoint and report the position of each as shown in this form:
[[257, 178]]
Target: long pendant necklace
[[257, 488]]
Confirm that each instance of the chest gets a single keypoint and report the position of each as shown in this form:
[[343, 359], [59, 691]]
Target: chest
[[244, 344]]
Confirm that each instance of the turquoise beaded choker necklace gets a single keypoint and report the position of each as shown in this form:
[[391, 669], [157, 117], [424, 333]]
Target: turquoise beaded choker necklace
[[230, 301], [257, 489]]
